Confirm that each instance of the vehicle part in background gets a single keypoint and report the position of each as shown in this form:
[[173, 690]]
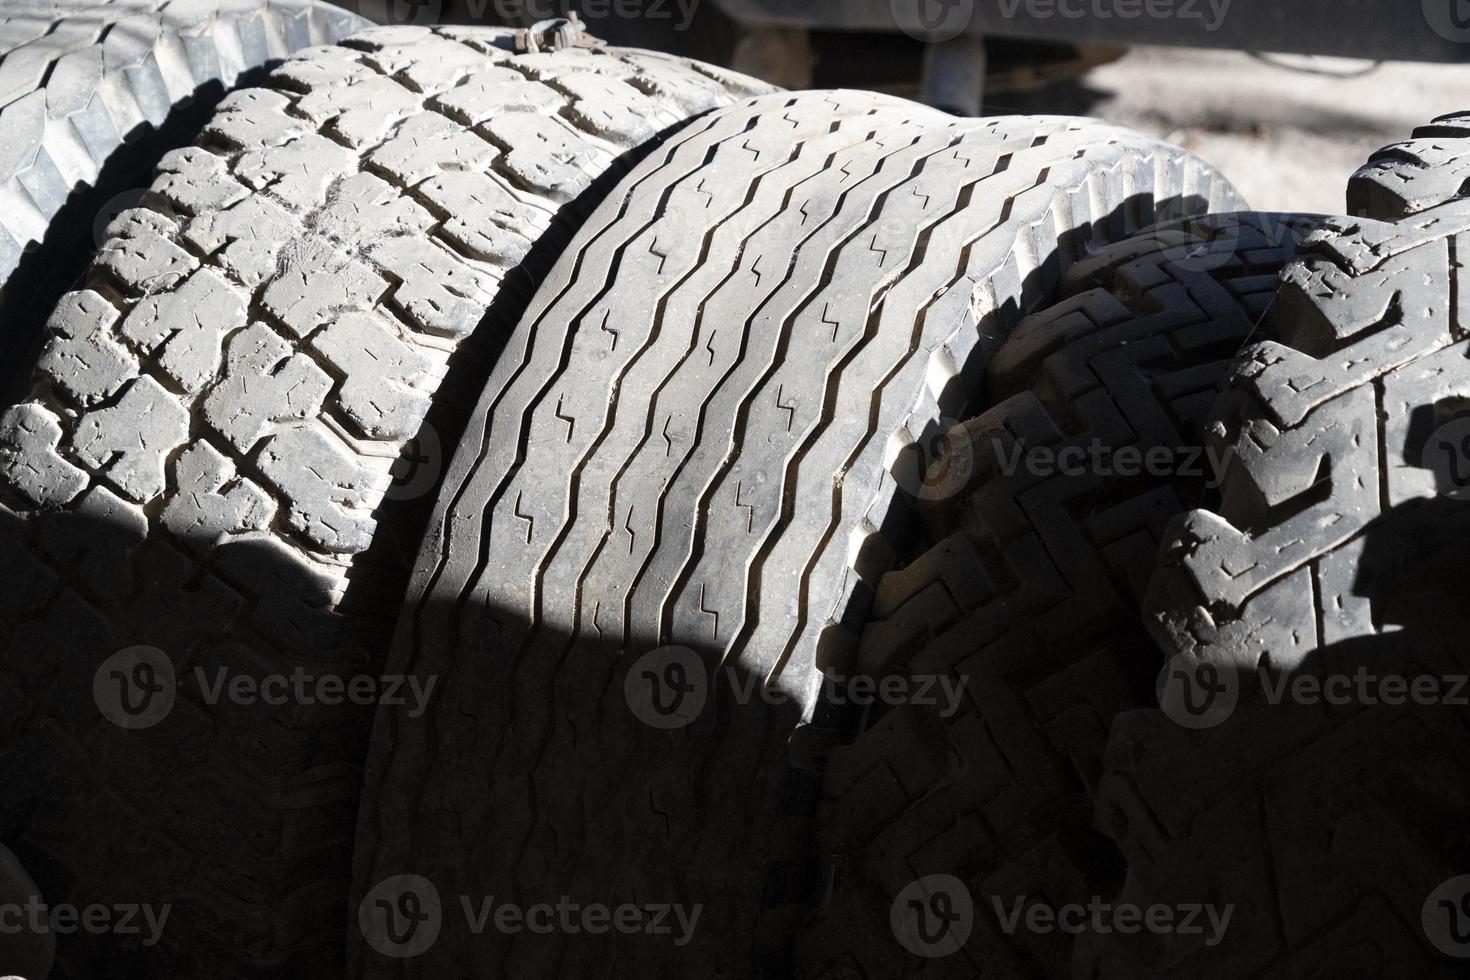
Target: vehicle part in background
[[1040, 523], [781, 55], [556, 34], [24, 952], [1307, 763], [1430, 30], [784, 304], [91, 95], [200, 490], [954, 75], [799, 56]]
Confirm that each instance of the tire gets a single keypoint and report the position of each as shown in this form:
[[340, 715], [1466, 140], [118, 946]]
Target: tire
[[214, 470], [1334, 823], [690, 453], [1026, 604], [91, 94]]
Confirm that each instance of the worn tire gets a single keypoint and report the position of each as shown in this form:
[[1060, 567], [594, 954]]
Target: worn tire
[[692, 453], [1335, 823], [204, 470], [1027, 605], [91, 93]]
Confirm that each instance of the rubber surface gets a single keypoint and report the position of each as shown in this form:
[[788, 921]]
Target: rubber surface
[[1044, 513], [216, 466], [696, 439], [1333, 821], [84, 90]]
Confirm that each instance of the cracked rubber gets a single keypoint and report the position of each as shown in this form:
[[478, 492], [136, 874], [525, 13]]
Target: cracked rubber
[[1337, 546], [696, 438], [228, 450]]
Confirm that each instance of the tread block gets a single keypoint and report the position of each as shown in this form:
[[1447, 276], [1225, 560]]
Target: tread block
[[129, 441]]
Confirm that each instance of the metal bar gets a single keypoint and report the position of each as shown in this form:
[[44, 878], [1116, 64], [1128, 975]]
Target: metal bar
[[1396, 30]]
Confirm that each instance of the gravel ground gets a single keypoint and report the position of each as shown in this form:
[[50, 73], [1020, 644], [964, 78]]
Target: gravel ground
[[1288, 137]]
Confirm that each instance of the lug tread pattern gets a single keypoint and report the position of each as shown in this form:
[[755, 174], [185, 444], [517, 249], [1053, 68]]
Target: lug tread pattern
[[210, 443]]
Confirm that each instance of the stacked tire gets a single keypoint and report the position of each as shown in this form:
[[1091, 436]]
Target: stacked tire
[[742, 533], [218, 473]]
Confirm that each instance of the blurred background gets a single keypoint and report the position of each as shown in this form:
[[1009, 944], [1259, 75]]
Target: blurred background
[[1287, 97]]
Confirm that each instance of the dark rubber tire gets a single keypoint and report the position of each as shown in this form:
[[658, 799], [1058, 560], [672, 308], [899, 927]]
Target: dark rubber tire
[[215, 464], [1027, 604], [698, 439], [1338, 829]]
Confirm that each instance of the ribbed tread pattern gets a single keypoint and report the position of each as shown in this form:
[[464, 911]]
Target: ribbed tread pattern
[[692, 439], [206, 464]]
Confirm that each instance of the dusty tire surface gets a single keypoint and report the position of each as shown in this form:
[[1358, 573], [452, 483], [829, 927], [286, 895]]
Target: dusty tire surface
[[686, 468], [224, 460], [90, 93], [1285, 773], [1017, 631]]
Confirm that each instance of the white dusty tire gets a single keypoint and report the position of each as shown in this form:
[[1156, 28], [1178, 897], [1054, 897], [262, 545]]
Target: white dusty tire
[[202, 477], [91, 94], [692, 460]]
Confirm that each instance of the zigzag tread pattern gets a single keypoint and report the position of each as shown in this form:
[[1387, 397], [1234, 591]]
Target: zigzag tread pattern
[[775, 303]]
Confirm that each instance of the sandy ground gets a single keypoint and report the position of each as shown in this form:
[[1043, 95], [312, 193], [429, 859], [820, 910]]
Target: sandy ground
[[1288, 139]]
